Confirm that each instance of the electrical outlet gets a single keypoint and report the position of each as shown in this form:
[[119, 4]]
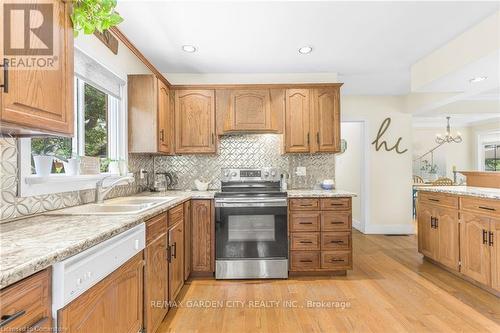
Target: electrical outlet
[[301, 171]]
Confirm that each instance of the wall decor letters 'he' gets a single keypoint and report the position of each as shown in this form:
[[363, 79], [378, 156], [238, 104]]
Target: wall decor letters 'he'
[[378, 142]]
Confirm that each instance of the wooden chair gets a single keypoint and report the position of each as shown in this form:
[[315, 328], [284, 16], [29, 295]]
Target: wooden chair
[[417, 180], [442, 182]]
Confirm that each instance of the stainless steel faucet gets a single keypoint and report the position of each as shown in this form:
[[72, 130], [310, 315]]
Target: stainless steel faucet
[[101, 192]]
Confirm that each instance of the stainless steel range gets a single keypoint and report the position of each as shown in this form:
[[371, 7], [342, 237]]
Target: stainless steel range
[[251, 236]]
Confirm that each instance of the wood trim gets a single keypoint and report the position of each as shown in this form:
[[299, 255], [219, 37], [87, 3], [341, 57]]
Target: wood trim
[[121, 36], [257, 86]]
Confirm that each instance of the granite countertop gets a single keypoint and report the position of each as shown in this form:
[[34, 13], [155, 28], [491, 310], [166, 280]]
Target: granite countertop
[[319, 193], [35, 243], [480, 192]]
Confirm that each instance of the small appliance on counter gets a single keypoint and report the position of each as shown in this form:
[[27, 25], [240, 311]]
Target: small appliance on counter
[[327, 184], [251, 237]]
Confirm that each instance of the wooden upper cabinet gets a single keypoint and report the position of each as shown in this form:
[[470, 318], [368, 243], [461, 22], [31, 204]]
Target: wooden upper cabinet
[[202, 234], [195, 121], [297, 117], [40, 100], [474, 248], [150, 116], [326, 124], [165, 120]]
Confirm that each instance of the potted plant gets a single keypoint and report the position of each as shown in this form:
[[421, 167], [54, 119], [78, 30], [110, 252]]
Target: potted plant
[[43, 156], [91, 15]]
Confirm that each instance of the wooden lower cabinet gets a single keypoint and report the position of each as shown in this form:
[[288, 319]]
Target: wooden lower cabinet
[[203, 236], [474, 247], [176, 264], [115, 304], [155, 273], [460, 233], [26, 305], [187, 239], [320, 234]]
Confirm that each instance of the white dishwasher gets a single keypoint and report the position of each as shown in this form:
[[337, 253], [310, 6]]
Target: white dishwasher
[[75, 275]]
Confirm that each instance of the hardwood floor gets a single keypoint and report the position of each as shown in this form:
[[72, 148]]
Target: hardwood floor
[[390, 289]]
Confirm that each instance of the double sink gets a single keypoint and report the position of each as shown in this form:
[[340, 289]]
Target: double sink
[[117, 206]]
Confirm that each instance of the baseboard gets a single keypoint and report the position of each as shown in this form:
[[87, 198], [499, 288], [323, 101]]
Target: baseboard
[[358, 226], [391, 229]]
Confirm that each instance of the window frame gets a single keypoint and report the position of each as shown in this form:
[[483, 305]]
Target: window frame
[[30, 184], [484, 138]]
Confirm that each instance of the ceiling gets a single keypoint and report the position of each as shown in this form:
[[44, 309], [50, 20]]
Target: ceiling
[[371, 45]]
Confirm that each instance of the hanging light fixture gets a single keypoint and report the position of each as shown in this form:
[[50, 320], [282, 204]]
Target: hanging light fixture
[[448, 138]]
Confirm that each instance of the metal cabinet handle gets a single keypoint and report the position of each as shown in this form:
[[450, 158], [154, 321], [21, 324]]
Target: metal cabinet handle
[[308, 139], [9, 318], [305, 205], [336, 222], [337, 241], [37, 324], [335, 260], [487, 208], [169, 254], [162, 135], [305, 242], [317, 137], [485, 236], [432, 222], [490, 241], [213, 138], [336, 204], [432, 199], [436, 223], [306, 261], [174, 251], [5, 84], [305, 222]]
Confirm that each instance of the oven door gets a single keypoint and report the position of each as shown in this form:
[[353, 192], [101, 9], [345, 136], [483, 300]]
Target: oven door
[[251, 229]]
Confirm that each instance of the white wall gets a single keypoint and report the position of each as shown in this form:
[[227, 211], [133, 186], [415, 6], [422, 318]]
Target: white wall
[[125, 62], [388, 193], [348, 166]]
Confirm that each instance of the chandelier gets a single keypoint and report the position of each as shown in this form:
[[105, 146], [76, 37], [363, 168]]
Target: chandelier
[[448, 138]]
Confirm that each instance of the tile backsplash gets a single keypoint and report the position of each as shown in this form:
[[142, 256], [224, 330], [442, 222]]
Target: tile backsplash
[[234, 151], [248, 150]]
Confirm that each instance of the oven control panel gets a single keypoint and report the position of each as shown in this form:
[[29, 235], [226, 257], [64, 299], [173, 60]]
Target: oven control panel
[[242, 175]]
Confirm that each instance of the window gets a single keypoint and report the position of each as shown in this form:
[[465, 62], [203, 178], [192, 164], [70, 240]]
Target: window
[[491, 153], [95, 136]]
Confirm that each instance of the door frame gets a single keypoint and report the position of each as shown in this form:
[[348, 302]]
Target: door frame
[[364, 195]]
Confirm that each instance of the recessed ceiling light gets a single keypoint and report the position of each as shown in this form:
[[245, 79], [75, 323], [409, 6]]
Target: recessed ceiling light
[[188, 48], [305, 50], [478, 79]]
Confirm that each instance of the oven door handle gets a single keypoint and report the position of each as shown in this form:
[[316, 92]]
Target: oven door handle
[[270, 203]]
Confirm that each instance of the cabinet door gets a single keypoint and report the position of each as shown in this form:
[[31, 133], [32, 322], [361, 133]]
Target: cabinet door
[[250, 110], [297, 106], [41, 98], [202, 236], [427, 237], [474, 248], [187, 239], [112, 305], [494, 239], [176, 265], [155, 283], [195, 121], [447, 230], [326, 120], [165, 125]]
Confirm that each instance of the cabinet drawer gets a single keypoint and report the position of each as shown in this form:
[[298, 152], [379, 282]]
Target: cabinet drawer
[[304, 260], [335, 203], [305, 221], [28, 304], [155, 227], [481, 205], [438, 199], [175, 215], [331, 221], [336, 240], [336, 259], [305, 241], [304, 204]]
